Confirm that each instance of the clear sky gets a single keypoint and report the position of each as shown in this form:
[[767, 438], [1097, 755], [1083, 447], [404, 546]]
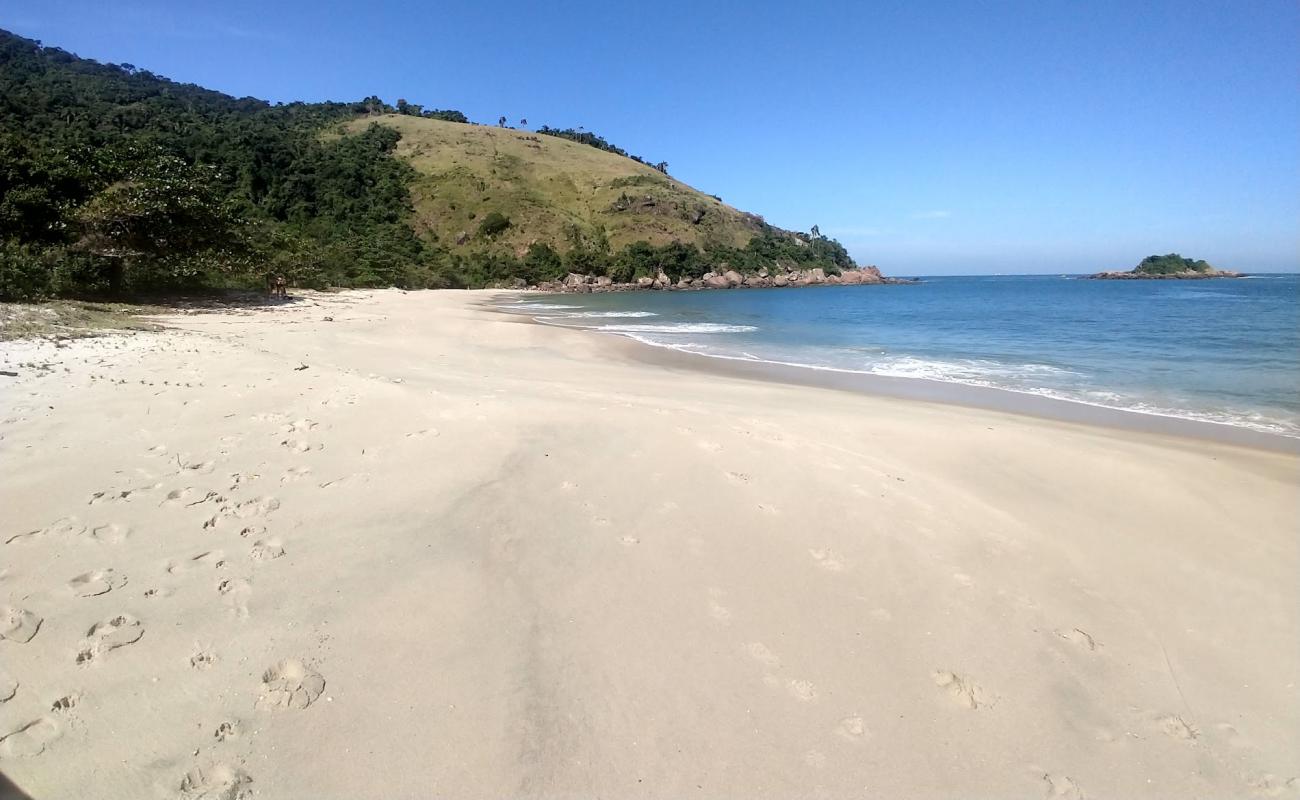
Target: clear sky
[[929, 137]]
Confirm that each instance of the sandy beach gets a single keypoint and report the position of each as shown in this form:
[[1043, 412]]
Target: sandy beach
[[389, 544]]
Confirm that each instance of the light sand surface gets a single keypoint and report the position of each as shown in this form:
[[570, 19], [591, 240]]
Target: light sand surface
[[459, 555]]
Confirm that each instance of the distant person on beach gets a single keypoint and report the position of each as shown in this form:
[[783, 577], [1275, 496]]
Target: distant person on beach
[[279, 287]]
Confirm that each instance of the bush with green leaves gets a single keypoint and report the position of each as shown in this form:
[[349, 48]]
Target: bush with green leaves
[[494, 223]]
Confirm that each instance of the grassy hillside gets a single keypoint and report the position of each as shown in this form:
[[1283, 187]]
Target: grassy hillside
[[548, 188], [114, 180]]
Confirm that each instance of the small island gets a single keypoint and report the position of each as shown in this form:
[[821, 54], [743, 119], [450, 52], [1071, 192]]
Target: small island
[[1167, 267]]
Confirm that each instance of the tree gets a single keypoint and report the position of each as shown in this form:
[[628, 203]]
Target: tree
[[816, 232], [166, 222], [501, 122], [523, 123], [495, 222]]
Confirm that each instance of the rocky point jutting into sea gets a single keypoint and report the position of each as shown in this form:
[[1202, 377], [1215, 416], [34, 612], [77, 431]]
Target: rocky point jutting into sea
[[729, 279]]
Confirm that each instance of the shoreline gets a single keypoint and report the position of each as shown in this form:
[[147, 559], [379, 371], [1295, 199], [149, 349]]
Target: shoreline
[[929, 390]]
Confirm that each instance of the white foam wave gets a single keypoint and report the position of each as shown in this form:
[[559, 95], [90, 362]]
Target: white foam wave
[[919, 369], [976, 371], [680, 327], [542, 306], [609, 314]]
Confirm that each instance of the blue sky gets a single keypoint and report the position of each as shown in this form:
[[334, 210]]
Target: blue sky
[[931, 138]]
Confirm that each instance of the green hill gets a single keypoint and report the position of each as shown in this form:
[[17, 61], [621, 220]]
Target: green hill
[[547, 186], [113, 180]]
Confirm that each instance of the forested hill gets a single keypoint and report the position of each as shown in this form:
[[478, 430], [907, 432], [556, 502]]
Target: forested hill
[[116, 179]]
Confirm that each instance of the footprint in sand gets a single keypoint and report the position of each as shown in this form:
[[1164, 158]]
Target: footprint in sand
[[1175, 727], [1079, 637], [425, 433], [290, 684], [226, 730], [96, 582], [568, 486], [178, 496], [216, 782], [760, 653], [208, 558], [629, 540], [710, 447], [802, 690], [29, 739], [852, 728], [66, 703], [8, 686], [1061, 786], [203, 658], [266, 550], [109, 635], [66, 526], [295, 473], [767, 509], [300, 446], [112, 533], [827, 560], [963, 690], [815, 759], [201, 467], [716, 610], [18, 624], [737, 477], [300, 426], [235, 592], [257, 507]]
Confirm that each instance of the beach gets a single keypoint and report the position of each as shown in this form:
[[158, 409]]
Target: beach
[[391, 544]]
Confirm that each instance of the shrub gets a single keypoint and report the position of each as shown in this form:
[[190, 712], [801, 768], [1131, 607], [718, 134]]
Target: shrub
[[494, 223]]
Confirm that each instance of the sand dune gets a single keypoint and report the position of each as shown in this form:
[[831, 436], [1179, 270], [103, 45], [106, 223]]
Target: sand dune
[[424, 549]]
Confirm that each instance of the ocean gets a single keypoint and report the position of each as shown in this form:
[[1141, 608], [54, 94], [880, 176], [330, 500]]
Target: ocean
[[1221, 351]]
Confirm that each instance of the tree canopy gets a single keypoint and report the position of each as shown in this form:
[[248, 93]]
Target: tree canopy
[[1170, 264]]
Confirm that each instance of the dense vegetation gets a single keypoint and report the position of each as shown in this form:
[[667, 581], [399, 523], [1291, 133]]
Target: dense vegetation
[[113, 179], [592, 140], [1171, 264]]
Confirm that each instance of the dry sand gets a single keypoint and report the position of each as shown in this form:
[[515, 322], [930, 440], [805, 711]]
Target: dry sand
[[463, 556]]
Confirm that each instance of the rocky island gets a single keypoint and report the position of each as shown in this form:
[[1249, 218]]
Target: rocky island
[[1167, 267]]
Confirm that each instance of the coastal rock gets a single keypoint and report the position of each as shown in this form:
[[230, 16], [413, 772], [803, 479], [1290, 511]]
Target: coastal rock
[[762, 272], [604, 281], [833, 279], [644, 282], [574, 279], [716, 282], [733, 278], [780, 280], [816, 275]]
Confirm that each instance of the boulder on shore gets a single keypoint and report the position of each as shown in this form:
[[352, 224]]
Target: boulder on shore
[[716, 282], [733, 278]]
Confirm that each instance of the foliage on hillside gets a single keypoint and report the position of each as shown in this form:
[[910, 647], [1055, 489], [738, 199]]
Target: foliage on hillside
[[115, 179], [1171, 264]]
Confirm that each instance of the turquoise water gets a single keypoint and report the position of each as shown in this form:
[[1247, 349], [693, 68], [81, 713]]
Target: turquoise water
[[1225, 351]]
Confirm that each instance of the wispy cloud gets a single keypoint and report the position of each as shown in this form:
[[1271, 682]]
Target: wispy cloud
[[932, 215]]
